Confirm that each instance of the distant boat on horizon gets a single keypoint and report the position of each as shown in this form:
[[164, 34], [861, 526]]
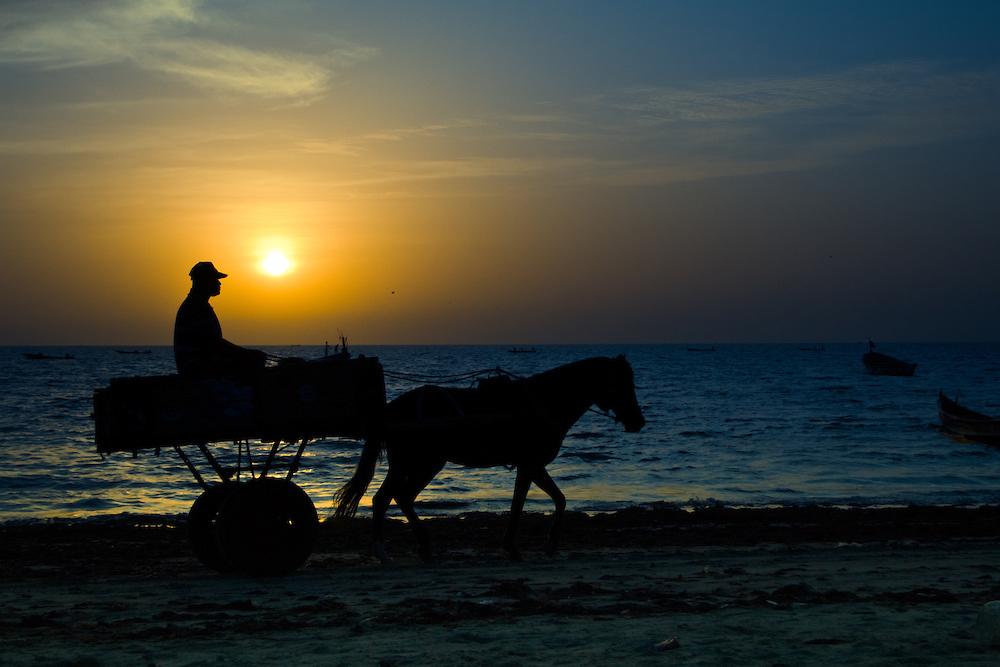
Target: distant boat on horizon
[[813, 348], [134, 351], [701, 349], [882, 364], [522, 350], [38, 356]]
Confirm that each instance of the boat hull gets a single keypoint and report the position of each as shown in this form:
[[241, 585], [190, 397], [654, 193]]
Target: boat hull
[[966, 423], [882, 364]]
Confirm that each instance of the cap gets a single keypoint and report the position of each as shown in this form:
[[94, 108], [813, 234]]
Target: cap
[[203, 270]]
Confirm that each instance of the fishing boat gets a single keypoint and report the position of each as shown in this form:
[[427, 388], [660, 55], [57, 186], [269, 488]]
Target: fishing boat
[[961, 421], [882, 364]]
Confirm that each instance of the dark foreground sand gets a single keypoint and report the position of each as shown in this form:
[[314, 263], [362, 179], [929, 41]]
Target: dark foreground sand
[[734, 587]]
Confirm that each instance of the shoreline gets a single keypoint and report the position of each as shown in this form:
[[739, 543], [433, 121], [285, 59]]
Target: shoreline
[[52, 546], [763, 586]]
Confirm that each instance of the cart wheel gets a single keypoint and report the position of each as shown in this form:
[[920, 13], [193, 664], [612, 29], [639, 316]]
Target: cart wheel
[[267, 526], [202, 520]]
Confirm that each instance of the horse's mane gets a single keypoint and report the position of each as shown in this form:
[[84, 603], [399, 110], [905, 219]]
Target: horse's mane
[[573, 367]]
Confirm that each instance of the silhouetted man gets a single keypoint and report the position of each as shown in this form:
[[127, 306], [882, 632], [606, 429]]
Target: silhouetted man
[[199, 348]]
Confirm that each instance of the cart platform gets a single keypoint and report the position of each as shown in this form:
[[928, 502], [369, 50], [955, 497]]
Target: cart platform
[[329, 397]]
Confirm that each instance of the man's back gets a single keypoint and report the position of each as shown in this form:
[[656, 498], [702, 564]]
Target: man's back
[[197, 336]]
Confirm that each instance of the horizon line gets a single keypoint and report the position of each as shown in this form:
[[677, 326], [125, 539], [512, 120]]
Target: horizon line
[[537, 344]]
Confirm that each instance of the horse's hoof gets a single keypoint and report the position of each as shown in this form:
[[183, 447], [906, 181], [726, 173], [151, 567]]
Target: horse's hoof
[[513, 554], [378, 550]]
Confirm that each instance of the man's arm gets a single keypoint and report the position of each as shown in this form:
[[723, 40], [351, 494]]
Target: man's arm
[[242, 355]]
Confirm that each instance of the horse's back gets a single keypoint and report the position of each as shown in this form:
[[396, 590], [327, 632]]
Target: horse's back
[[486, 426], [494, 396]]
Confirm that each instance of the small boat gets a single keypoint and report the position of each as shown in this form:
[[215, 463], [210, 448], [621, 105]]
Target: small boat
[[37, 356], [961, 421], [813, 348], [522, 350], [701, 349], [134, 351], [882, 364]]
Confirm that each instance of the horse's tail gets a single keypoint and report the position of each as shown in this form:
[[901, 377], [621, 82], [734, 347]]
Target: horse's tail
[[350, 495]]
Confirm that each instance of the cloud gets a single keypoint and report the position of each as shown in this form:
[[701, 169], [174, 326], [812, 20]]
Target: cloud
[[172, 38], [760, 125], [655, 135], [357, 145], [869, 88]]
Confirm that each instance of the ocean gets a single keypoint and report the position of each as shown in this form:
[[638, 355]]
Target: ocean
[[743, 425]]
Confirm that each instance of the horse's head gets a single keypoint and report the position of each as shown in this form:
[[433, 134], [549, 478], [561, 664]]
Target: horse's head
[[618, 395]]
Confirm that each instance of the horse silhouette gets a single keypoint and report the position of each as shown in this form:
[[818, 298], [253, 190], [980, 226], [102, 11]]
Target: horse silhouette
[[502, 422]]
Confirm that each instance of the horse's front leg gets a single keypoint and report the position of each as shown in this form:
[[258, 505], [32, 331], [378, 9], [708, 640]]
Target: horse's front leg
[[545, 483], [521, 485]]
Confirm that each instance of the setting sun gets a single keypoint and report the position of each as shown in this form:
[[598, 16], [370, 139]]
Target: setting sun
[[276, 264]]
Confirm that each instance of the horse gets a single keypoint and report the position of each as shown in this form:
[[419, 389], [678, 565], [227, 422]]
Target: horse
[[517, 423]]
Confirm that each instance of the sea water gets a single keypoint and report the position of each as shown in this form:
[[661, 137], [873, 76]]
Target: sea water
[[741, 425]]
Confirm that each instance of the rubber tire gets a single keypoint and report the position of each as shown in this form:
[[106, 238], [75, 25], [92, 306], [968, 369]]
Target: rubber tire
[[201, 527], [267, 527]]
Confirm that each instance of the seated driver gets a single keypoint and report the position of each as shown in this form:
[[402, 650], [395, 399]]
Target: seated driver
[[199, 348]]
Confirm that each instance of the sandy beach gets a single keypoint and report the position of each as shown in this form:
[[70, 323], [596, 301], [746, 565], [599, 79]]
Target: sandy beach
[[770, 587]]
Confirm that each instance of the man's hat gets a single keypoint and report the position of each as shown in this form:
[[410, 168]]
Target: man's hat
[[205, 270]]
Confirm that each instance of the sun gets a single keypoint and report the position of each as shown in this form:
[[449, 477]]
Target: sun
[[276, 264]]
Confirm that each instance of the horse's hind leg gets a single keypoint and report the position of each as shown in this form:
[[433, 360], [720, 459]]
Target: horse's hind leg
[[380, 503], [406, 494], [521, 486], [545, 483]]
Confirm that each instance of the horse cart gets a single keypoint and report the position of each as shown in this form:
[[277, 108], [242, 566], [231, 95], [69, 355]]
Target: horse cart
[[253, 518]]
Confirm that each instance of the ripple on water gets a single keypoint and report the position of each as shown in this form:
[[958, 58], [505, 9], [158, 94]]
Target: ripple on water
[[585, 435], [587, 456], [92, 504]]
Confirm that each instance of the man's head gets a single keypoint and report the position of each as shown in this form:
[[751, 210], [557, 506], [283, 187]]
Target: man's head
[[205, 278]]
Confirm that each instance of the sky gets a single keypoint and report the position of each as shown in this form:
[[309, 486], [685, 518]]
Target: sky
[[501, 172]]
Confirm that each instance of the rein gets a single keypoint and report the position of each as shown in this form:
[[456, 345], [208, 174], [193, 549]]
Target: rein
[[451, 379]]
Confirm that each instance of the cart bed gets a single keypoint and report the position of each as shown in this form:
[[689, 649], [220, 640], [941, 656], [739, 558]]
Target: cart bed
[[329, 397]]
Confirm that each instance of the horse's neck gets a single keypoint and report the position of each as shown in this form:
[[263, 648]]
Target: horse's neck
[[566, 392]]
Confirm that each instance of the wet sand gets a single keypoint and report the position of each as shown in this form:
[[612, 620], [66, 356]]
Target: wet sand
[[771, 587]]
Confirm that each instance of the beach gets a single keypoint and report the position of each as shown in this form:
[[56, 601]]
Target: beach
[[782, 586]]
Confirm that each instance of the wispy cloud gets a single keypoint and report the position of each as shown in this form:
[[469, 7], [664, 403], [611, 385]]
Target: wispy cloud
[[354, 146], [172, 38], [870, 88], [760, 125], [658, 135]]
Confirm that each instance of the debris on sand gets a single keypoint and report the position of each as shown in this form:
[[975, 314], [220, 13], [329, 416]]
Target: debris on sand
[[668, 644], [988, 623]]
